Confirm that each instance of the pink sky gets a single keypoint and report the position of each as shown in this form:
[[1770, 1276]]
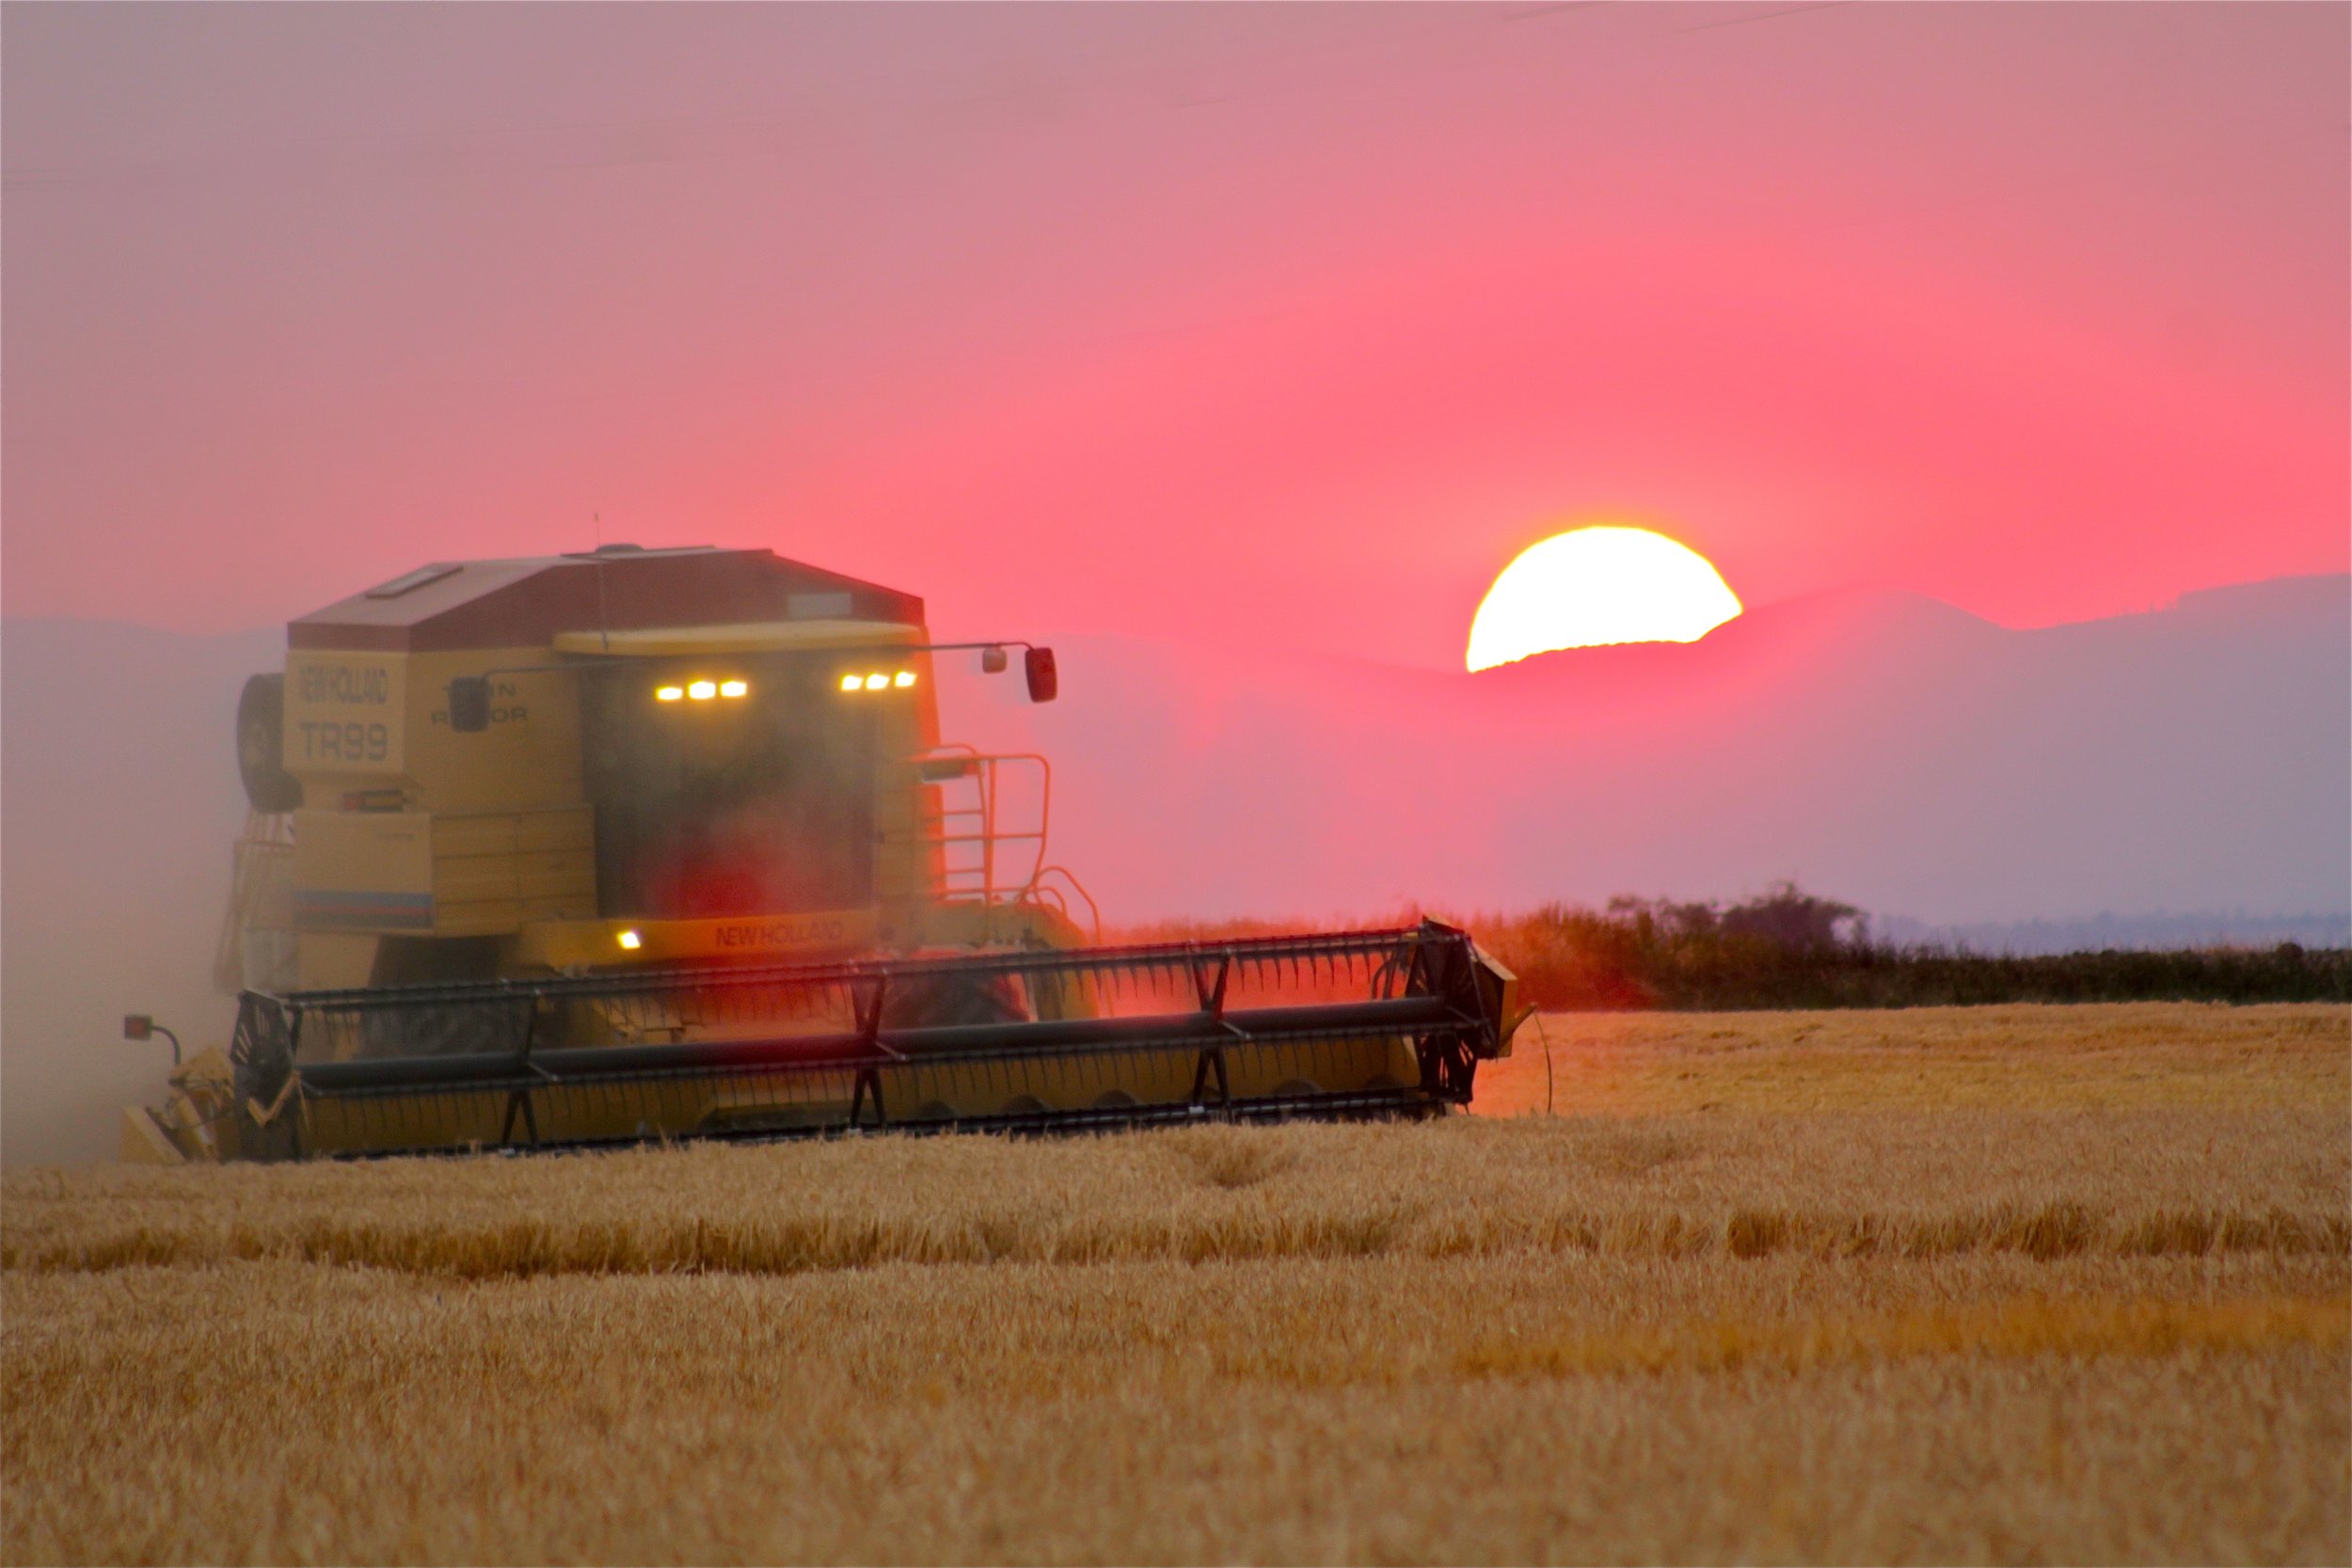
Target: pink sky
[[1281, 325]]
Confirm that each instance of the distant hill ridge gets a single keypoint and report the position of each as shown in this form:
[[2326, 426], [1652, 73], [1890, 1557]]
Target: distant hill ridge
[[2141, 933], [1886, 745]]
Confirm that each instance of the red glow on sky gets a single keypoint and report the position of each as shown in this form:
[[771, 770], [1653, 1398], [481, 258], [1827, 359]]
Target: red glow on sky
[[1273, 326]]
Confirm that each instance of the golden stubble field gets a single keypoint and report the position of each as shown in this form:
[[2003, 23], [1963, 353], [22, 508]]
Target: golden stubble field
[[1999, 1283]]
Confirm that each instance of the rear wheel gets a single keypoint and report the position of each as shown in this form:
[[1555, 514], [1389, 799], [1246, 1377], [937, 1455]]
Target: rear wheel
[[262, 746]]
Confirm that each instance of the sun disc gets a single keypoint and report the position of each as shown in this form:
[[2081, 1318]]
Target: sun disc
[[1592, 586]]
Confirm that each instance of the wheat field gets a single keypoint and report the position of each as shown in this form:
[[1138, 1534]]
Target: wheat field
[[1947, 1285]]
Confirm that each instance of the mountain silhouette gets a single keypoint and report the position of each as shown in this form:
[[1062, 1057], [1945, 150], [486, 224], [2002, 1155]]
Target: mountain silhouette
[[1883, 747]]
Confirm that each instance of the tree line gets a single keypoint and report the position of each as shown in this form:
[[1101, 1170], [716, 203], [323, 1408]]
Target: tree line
[[1789, 948]]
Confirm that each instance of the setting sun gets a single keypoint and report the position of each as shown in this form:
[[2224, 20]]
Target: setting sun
[[1595, 585]]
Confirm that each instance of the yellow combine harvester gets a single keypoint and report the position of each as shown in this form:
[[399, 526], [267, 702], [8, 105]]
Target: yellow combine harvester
[[662, 844]]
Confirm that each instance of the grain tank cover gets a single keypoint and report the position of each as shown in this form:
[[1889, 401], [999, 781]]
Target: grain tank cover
[[533, 600]]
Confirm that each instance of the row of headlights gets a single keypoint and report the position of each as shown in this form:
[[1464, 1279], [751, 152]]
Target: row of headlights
[[703, 692]]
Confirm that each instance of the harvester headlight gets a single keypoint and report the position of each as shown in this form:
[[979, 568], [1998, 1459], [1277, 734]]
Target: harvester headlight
[[702, 691], [877, 681], [733, 688], [668, 693], [631, 941], [902, 679], [852, 683]]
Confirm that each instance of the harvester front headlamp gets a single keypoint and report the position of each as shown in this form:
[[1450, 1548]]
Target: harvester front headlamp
[[877, 680], [903, 679], [702, 691], [852, 683], [631, 941]]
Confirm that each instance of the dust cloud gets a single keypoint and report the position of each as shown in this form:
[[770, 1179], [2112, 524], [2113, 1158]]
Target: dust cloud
[[119, 801]]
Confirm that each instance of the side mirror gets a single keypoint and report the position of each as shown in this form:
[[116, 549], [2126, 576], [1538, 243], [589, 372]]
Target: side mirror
[[1044, 681], [469, 703]]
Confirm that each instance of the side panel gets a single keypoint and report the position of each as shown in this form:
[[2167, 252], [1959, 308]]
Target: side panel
[[527, 759], [494, 871], [369, 731], [364, 871], [346, 716], [418, 873]]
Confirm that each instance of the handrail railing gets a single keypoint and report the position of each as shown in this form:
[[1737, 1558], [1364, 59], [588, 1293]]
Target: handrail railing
[[971, 838]]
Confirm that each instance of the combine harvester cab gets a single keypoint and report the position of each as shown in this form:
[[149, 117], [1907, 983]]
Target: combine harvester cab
[[662, 844]]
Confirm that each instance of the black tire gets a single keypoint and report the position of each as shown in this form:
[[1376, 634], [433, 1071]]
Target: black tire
[[262, 746]]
